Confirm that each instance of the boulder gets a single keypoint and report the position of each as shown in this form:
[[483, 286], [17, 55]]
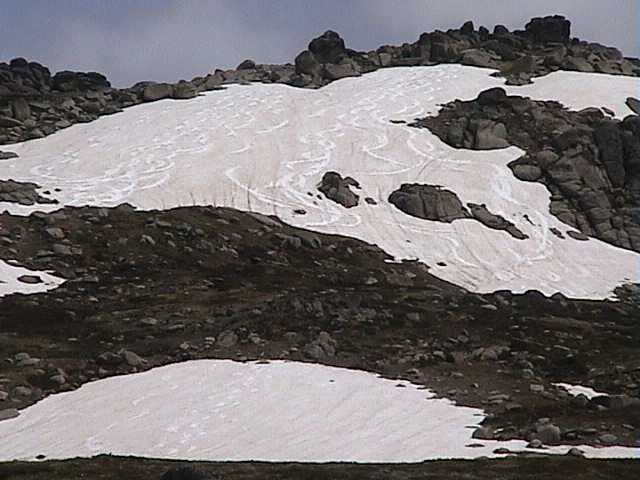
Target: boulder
[[476, 57], [551, 29], [183, 91], [492, 96], [328, 48], [495, 222], [156, 91], [338, 189], [527, 173], [578, 64], [468, 28], [306, 63], [7, 155], [336, 72], [8, 414], [430, 202], [490, 135], [247, 65], [634, 105], [548, 434]]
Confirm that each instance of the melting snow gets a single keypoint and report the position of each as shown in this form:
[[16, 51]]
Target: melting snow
[[576, 390], [222, 411], [9, 282], [264, 147]]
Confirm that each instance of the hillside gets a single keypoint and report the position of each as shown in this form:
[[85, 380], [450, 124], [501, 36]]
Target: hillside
[[235, 256]]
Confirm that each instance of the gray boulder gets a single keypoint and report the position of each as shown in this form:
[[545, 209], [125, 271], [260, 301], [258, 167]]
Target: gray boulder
[[556, 29], [429, 202], [157, 91], [476, 57], [184, 91], [306, 63], [328, 48], [634, 105], [489, 135]]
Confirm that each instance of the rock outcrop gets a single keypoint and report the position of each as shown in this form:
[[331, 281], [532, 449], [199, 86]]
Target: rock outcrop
[[23, 193], [589, 162], [34, 103], [432, 202], [338, 189]]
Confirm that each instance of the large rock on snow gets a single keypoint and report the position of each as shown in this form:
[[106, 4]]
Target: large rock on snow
[[634, 105], [494, 221], [338, 189], [549, 29], [430, 202]]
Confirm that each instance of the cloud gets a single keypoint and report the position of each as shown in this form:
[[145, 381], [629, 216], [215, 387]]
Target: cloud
[[133, 40]]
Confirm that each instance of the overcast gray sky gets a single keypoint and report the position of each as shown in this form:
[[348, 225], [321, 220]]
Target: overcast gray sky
[[166, 40]]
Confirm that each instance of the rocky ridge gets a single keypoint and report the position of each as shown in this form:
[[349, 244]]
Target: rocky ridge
[[589, 162], [34, 103]]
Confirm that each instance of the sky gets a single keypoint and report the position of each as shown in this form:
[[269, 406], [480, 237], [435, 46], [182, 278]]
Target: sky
[[168, 40]]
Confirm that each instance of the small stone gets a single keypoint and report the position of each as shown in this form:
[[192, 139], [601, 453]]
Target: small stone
[[575, 452], [608, 439], [59, 379], [55, 233], [22, 391], [8, 414], [227, 339], [30, 279], [132, 359]]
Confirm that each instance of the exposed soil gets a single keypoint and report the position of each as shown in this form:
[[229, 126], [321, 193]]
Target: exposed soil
[[202, 282]]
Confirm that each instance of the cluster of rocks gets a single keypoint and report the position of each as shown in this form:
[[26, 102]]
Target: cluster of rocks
[[338, 189], [432, 202], [589, 161], [34, 103], [544, 46], [23, 193]]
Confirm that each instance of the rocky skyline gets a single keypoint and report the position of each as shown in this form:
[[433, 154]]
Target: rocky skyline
[[129, 41]]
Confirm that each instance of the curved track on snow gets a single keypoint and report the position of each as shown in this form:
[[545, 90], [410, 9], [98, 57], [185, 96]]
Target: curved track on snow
[[265, 148]]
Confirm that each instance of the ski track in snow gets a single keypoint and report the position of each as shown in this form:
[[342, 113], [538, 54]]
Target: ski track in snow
[[265, 147], [219, 410]]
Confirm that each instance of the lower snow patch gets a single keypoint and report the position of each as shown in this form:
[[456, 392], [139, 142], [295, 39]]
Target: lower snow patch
[[265, 147], [223, 410]]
